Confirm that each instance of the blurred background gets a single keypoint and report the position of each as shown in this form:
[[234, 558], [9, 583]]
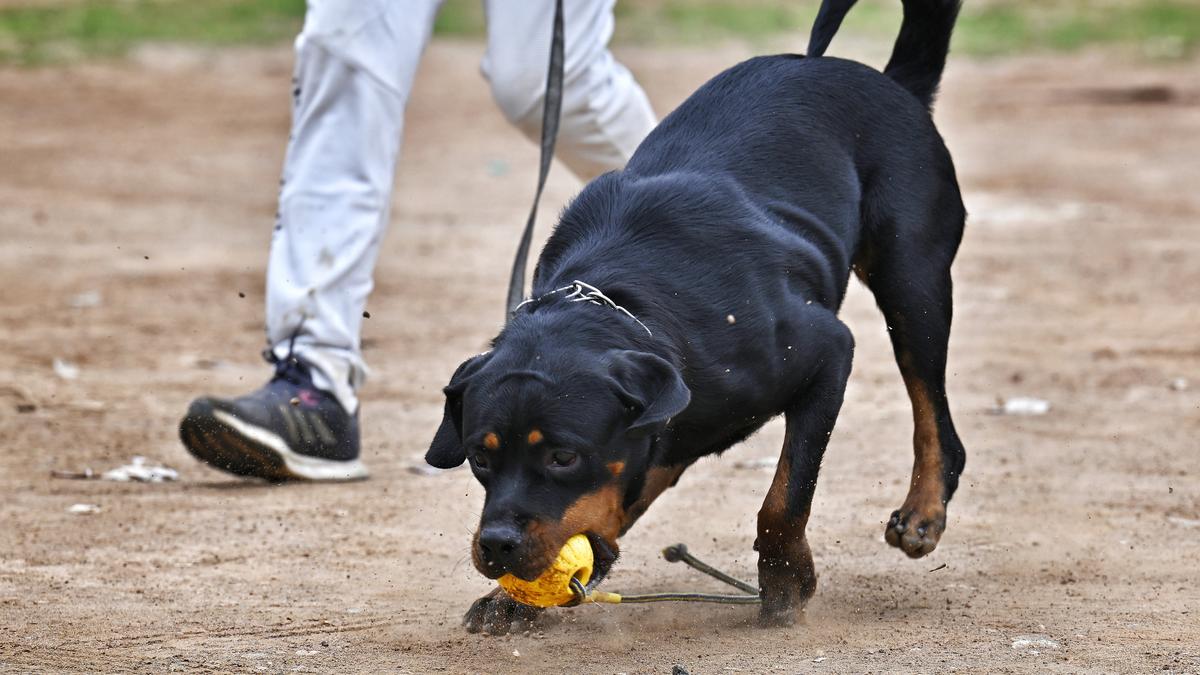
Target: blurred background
[[140, 148], [54, 31]]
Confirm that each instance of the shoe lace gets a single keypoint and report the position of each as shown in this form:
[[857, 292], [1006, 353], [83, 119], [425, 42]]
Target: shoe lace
[[289, 368]]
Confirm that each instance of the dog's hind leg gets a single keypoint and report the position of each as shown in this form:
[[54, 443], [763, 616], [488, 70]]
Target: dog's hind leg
[[907, 267], [786, 575]]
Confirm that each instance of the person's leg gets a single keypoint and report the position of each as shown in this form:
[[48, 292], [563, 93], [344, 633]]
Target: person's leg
[[605, 112], [355, 64]]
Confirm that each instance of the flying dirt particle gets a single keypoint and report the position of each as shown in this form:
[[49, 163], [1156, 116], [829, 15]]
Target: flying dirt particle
[[295, 401], [241, 294], [366, 315], [731, 319]]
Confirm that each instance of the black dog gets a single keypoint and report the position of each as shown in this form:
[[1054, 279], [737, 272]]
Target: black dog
[[683, 302]]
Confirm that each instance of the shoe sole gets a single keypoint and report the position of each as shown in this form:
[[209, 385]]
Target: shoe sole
[[225, 442]]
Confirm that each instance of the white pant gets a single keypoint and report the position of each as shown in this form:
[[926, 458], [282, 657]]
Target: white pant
[[355, 63]]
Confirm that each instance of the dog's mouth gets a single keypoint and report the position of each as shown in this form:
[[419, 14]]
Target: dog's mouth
[[604, 555]]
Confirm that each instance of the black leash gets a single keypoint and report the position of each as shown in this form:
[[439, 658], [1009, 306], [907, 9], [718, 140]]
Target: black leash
[[550, 118]]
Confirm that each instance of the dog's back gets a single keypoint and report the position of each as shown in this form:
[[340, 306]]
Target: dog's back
[[803, 144]]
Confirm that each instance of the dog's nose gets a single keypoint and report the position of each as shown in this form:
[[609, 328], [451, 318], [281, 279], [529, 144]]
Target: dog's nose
[[499, 546]]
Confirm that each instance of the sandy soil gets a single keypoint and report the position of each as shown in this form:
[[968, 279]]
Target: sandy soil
[[137, 202]]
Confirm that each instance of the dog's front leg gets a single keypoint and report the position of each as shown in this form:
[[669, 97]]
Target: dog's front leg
[[786, 575]]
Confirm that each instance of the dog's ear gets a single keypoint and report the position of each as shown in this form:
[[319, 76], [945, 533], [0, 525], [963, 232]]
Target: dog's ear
[[651, 386], [447, 451]]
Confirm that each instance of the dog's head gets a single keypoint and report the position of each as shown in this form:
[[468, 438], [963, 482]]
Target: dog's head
[[558, 438]]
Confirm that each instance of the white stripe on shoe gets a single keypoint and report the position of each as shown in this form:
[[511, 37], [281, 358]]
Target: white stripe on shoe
[[301, 466]]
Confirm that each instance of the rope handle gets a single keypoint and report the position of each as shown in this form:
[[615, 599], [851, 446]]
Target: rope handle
[[676, 553]]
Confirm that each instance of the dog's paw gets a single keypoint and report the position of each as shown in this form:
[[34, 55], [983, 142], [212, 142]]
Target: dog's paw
[[786, 587], [914, 531], [777, 616], [498, 614]]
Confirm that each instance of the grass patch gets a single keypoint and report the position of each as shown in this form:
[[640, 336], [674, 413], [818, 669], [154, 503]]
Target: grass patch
[[1161, 28], [1166, 28], [107, 28], [101, 28], [704, 21]]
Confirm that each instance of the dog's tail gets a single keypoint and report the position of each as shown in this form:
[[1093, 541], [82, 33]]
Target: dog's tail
[[919, 55], [829, 19]]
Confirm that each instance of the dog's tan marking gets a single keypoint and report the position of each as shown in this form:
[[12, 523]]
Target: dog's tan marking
[[658, 479], [927, 488], [786, 573], [598, 512], [491, 441], [923, 514], [616, 468], [534, 437], [776, 529]]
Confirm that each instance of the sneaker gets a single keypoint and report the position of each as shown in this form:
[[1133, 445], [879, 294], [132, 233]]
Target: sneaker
[[287, 430]]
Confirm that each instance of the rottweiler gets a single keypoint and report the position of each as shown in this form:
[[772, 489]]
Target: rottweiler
[[684, 301]]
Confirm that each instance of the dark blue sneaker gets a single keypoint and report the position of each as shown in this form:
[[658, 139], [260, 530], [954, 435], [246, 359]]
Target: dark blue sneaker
[[287, 430]]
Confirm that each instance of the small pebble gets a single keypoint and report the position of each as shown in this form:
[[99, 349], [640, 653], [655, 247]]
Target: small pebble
[[1022, 405], [65, 369], [1032, 643]]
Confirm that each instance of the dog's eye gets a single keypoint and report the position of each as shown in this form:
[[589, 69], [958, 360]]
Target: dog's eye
[[480, 459], [563, 458]]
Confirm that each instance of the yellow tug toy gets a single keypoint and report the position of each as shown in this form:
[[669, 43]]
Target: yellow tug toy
[[553, 587], [565, 581]]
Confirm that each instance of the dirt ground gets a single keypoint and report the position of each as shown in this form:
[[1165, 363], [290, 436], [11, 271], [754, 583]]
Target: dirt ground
[[136, 203]]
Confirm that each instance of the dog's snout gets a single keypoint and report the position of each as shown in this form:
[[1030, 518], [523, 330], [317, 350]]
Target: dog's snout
[[500, 546]]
